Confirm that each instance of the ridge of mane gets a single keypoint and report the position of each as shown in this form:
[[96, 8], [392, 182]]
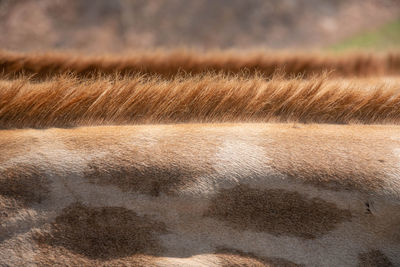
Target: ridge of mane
[[68, 101], [169, 63]]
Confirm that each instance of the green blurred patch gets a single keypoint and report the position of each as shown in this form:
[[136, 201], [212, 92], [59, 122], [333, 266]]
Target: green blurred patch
[[384, 38]]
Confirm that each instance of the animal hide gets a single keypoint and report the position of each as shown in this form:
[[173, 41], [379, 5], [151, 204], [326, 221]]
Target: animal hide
[[201, 195]]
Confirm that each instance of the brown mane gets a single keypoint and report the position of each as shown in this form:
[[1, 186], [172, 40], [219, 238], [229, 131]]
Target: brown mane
[[170, 63], [68, 101]]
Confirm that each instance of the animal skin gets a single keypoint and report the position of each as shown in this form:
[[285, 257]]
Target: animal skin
[[201, 195]]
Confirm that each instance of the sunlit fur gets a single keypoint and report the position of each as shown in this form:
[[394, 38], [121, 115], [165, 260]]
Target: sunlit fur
[[170, 62], [67, 101], [208, 194], [237, 193]]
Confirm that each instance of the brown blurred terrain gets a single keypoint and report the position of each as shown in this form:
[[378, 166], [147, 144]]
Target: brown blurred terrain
[[119, 25]]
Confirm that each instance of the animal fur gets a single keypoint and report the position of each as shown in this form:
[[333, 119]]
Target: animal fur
[[68, 102], [201, 195], [169, 63], [233, 194]]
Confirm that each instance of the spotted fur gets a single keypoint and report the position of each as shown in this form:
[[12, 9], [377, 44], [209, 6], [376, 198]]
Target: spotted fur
[[201, 195]]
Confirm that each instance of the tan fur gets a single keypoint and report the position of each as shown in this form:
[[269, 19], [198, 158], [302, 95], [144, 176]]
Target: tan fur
[[169, 63], [325, 156], [232, 186], [230, 257], [163, 168], [68, 102]]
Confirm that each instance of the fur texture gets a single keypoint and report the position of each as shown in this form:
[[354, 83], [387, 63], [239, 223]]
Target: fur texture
[[201, 195], [67, 101], [169, 63], [246, 194]]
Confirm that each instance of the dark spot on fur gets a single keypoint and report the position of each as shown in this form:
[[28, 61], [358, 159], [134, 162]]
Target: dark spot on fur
[[277, 212], [374, 258], [231, 257], [25, 183], [162, 165], [103, 233], [20, 187], [150, 179], [8, 207]]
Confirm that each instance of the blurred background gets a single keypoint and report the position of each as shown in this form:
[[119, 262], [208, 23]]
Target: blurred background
[[119, 25]]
